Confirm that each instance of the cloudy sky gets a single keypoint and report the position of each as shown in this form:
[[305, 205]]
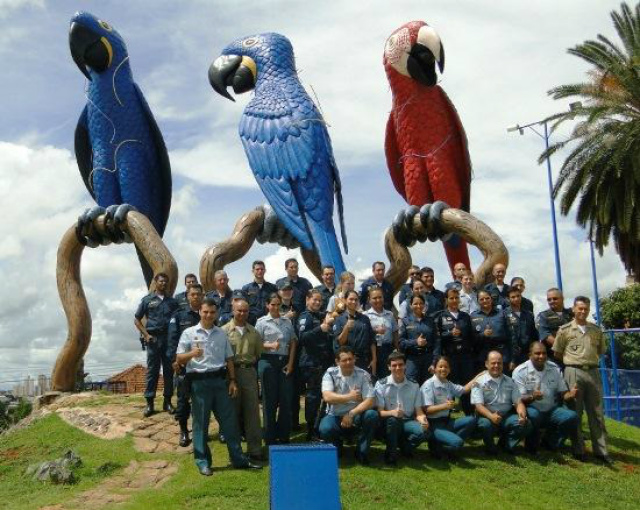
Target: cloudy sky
[[502, 57]]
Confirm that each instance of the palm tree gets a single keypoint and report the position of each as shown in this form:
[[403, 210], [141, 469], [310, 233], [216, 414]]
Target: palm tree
[[602, 171]]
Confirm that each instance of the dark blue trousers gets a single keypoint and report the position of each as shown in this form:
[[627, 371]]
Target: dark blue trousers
[[277, 389], [158, 355]]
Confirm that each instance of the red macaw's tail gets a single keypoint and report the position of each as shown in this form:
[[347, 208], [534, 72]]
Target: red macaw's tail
[[456, 250]]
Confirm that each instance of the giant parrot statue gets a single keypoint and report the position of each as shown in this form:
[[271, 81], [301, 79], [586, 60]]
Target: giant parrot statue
[[286, 141], [119, 149], [425, 145]]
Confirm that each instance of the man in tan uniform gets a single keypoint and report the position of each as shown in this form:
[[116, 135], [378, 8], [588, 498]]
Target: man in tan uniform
[[579, 345], [247, 348]]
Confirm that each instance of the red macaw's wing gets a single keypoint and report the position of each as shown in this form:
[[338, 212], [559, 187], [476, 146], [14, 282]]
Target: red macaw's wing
[[394, 157], [459, 153]]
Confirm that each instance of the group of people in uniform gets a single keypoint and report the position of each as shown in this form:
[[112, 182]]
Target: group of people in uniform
[[367, 371]]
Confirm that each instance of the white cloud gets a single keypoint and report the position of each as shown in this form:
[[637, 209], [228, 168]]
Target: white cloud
[[8, 6], [216, 162]]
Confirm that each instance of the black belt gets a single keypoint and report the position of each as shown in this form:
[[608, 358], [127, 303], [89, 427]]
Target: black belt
[[244, 365], [583, 367], [279, 357], [213, 374]]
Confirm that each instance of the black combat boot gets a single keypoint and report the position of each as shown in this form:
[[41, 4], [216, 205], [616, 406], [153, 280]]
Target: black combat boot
[[166, 406], [149, 409], [184, 435]]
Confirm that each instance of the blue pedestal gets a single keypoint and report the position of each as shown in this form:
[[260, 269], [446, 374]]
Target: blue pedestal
[[304, 477]]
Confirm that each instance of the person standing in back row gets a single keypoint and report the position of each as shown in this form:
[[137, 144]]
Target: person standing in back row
[[158, 308], [377, 280]]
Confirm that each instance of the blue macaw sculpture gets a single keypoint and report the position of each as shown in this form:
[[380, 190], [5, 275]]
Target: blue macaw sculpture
[[119, 149], [286, 141]]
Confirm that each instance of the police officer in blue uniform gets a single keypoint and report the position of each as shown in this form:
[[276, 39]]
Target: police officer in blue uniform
[[354, 329], [522, 327], [498, 290], [499, 407], [377, 280], [350, 399], [207, 354], [328, 286], [158, 308], [181, 297], [406, 289], [435, 298], [418, 338], [540, 384], [288, 310], [299, 284], [222, 295], [459, 270], [257, 292], [316, 355], [184, 318], [399, 403], [491, 331], [456, 341], [517, 282], [550, 320]]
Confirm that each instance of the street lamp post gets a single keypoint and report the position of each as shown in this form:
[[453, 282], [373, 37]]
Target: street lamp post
[[545, 136]]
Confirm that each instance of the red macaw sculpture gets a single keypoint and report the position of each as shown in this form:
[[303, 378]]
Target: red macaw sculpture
[[425, 145]]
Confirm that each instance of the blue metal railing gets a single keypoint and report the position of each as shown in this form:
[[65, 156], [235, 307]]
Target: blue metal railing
[[619, 406]]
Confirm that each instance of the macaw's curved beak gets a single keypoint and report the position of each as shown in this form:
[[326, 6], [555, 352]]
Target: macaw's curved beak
[[232, 71], [88, 49], [421, 65]]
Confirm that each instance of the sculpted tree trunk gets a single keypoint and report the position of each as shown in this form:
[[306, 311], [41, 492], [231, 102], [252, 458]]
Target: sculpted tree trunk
[[451, 221], [141, 232], [260, 225]]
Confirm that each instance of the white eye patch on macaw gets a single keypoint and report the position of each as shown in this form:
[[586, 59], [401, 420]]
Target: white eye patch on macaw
[[398, 48]]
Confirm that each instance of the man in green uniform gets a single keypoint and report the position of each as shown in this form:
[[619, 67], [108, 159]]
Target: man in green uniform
[[247, 348], [579, 345]]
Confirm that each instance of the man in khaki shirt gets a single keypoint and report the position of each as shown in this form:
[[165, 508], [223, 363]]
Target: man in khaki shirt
[[579, 345], [247, 348]]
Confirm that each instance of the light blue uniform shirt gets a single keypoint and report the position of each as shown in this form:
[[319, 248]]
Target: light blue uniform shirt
[[498, 396], [214, 343], [391, 395], [386, 319], [279, 329], [334, 381], [436, 392], [549, 381]]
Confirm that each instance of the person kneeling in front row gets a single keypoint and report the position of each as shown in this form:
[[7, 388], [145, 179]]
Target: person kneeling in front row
[[400, 407], [439, 400], [205, 351], [540, 382], [499, 407], [349, 395]]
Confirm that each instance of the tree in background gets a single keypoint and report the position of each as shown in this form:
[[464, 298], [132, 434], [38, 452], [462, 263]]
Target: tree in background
[[602, 171], [621, 309], [10, 415]]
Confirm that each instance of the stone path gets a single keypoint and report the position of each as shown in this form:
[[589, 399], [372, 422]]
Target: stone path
[[115, 417], [157, 434], [118, 489]]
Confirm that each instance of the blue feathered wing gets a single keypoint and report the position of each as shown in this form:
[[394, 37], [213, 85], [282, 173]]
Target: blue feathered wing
[[289, 151]]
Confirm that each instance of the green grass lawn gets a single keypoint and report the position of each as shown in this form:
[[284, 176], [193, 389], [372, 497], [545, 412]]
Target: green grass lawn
[[475, 482]]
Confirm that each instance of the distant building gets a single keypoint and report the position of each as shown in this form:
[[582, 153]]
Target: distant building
[[131, 380], [43, 384]]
